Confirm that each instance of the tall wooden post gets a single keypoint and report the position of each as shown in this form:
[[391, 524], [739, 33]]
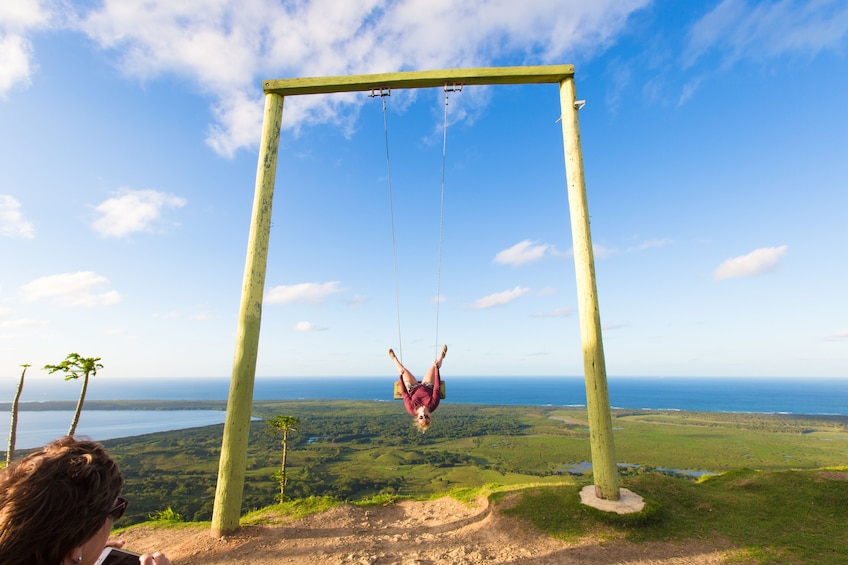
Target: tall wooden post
[[594, 368], [231, 469]]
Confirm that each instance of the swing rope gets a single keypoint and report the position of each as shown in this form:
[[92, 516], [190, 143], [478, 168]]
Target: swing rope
[[448, 90], [383, 94]]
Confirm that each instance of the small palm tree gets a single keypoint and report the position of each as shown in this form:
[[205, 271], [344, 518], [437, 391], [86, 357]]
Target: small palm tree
[[13, 432], [74, 366], [283, 425]]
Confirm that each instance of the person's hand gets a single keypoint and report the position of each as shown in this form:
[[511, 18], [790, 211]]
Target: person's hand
[[157, 558], [116, 543]]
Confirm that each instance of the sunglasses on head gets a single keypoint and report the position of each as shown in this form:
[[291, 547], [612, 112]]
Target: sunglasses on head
[[119, 509]]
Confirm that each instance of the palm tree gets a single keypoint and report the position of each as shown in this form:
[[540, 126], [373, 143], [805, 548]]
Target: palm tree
[[74, 366], [13, 432], [283, 425]]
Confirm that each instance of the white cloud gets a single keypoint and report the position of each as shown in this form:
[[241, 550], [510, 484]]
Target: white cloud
[[18, 18], [740, 29], [500, 298], [757, 262], [614, 326], [226, 47], [132, 211], [522, 252], [841, 335], [313, 293], [85, 288], [307, 327], [12, 222]]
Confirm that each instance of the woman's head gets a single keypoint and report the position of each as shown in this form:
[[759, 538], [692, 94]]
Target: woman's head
[[422, 419], [55, 500]]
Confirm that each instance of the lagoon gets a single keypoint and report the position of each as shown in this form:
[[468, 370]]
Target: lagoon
[[36, 428]]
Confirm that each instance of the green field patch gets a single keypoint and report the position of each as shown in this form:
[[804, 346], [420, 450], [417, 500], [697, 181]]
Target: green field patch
[[772, 517]]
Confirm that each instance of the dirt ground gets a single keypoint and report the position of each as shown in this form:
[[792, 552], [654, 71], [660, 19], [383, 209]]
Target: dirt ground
[[411, 533]]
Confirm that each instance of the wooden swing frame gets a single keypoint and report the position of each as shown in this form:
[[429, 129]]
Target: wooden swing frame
[[232, 466]]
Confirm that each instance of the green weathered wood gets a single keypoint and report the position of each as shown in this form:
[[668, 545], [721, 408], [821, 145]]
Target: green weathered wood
[[604, 466], [420, 79], [231, 469]]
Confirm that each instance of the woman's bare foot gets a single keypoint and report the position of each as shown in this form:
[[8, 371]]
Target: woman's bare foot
[[442, 356]]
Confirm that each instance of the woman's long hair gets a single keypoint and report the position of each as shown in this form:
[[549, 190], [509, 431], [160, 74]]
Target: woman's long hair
[[54, 500]]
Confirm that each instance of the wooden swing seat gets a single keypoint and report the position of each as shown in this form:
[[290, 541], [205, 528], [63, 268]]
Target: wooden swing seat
[[399, 391]]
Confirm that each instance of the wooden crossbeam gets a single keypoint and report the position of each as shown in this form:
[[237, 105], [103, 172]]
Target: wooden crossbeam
[[419, 79]]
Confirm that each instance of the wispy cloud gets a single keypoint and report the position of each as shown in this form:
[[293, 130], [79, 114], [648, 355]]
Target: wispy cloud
[[614, 326], [841, 335], [757, 262], [312, 293], [307, 327], [133, 211], [84, 288], [499, 298], [741, 29], [522, 252], [358, 300], [12, 222]]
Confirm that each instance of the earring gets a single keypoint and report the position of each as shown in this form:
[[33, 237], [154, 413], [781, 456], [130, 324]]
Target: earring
[[77, 560]]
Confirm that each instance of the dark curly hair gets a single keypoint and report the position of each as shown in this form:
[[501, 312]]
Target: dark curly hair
[[55, 499]]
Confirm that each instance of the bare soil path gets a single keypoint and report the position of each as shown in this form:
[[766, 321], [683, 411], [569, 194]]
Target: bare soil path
[[442, 531]]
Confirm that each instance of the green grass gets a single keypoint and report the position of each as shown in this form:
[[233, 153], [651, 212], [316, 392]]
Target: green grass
[[289, 510], [772, 516]]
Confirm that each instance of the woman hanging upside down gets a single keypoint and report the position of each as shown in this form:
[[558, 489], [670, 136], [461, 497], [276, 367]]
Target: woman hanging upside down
[[421, 398]]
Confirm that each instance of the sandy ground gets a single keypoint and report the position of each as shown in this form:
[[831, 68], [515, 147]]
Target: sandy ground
[[411, 533]]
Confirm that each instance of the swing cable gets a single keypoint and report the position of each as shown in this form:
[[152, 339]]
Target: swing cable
[[448, 89], [384, 92]]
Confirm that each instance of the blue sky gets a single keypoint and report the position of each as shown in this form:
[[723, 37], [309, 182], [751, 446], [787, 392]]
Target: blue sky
[[714, 140]]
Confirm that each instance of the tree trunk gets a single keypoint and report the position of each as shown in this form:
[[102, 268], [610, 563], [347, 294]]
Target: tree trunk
[[283, 479], [13, 432], [73, 429]]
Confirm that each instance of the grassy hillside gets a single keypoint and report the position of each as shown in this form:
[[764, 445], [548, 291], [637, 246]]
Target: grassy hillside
[[353, 450]]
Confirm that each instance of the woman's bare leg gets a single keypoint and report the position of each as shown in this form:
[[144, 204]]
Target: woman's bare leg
[[408, 378], [430, 377]]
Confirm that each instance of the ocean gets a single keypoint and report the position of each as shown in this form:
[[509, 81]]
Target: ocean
[[815, 396]]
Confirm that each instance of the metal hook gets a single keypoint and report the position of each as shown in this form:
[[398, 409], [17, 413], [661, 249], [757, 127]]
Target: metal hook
[[384, 91]]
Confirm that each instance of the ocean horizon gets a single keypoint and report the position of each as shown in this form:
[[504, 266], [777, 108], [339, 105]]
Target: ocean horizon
[[814, 396], [811, 396]]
